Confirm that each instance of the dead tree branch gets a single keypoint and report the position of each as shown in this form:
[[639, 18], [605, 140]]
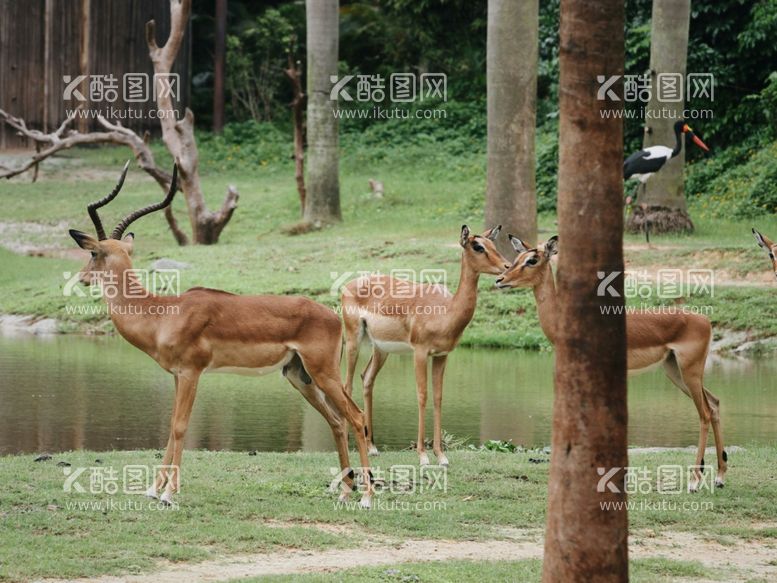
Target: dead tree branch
[[178, 136]]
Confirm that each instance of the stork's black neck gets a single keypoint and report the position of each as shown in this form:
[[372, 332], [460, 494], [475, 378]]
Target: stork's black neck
[[678, 130]]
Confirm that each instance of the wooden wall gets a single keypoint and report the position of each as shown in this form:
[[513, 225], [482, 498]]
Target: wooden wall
[[41, 41]]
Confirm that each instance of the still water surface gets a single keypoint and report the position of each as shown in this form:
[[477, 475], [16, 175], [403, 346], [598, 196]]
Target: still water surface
[[68, 392]]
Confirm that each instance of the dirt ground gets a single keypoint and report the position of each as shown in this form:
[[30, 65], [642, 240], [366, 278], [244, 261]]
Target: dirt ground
[[729, 560]]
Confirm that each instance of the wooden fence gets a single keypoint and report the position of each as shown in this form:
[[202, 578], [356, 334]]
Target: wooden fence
[[47, 45]]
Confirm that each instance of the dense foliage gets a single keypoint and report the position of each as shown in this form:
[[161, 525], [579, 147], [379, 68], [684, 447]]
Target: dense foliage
[[731, 39]]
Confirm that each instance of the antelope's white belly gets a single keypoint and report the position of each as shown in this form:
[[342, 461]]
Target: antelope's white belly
[[389, 346], [386, 333], [253, 371]]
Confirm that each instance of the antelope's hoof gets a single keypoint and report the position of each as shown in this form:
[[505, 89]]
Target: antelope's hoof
[[442, 460], [166, 498], [423, 459], [151, 493], [366, 502], [344, 496], [719, 483], [373, 451]]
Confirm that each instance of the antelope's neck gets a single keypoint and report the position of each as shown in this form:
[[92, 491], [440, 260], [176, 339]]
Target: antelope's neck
[[462, 306], [547, 304], [128, 304]]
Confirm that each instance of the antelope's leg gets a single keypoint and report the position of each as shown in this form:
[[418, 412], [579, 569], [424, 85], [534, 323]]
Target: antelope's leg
[[161, 479], [377, 360], [688, 379], [421, 379], [332, 386], [697, 393], [184, 401], [438, 371], [337, 423], [352, 340], [714, 405]]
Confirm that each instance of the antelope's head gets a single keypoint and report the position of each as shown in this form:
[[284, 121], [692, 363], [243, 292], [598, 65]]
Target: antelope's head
[[112, 255], [480, 253], [529, 266], [769, 246]]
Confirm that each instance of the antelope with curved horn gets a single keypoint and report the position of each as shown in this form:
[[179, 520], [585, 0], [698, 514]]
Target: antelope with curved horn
[[206, 330], [770, 247], [680, 341], [424, 319]]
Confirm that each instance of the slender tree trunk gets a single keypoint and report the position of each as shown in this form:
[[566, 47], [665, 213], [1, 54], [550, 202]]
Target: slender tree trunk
[[297, 105], [584, 542], [662, 199], [219, 64], [511, 197], [323, 184]]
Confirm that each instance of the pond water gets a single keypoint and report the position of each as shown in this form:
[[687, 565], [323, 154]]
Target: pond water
[[68, 392]]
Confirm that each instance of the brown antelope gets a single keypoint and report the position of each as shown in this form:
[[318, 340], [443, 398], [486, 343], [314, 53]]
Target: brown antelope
[[680, 341], [770, 247], [424, 319], [207, 330]]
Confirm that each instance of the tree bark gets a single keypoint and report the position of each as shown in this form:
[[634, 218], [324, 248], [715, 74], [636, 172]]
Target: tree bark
[[323, 184], [178, 136], [511, 72], [219, 64], [297, 105], [584, 542], [662, 199]]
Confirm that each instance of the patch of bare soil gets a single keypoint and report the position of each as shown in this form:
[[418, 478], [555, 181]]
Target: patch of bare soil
[[730, 560], [37, 239], [714, 259]]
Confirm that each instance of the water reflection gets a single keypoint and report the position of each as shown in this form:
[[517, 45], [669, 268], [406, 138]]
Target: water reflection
[[64, 392]]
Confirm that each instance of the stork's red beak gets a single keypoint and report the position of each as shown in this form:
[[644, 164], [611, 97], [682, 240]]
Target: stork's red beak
[[698, 142]]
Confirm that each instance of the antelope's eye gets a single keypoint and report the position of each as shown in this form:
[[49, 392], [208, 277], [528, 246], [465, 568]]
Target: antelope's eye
[[531, 261], [478, 248], [94, 254]]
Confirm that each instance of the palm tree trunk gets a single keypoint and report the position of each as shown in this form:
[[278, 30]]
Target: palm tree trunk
[[662, 202], [585, 542], [323, 186], [511, 198]]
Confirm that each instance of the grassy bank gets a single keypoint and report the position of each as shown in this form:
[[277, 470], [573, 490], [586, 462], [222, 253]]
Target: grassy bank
[[429, 194], [235, 503]]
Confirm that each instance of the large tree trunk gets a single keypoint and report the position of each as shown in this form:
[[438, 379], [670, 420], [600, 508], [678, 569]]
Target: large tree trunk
[[323, 184], [511, 198], [585, 542], [662, 199]]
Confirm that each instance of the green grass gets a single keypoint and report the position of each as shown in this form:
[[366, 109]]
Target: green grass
[[641, 570], [234, 503], [429, 194]]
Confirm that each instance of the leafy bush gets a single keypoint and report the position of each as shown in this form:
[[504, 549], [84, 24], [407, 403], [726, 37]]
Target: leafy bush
[[740, 181], [244, 144]]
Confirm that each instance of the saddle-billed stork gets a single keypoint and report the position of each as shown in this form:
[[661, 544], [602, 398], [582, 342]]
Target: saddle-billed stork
[[643, 164]]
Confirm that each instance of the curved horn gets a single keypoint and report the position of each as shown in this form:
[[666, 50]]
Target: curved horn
[[92, 207], [129, 219]]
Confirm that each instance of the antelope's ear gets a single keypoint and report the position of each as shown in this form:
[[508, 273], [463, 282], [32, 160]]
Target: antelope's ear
[[518, 245], [464, 235], [83, 240], [551, 247], [129, 242], [763, 241], [493, 233]]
